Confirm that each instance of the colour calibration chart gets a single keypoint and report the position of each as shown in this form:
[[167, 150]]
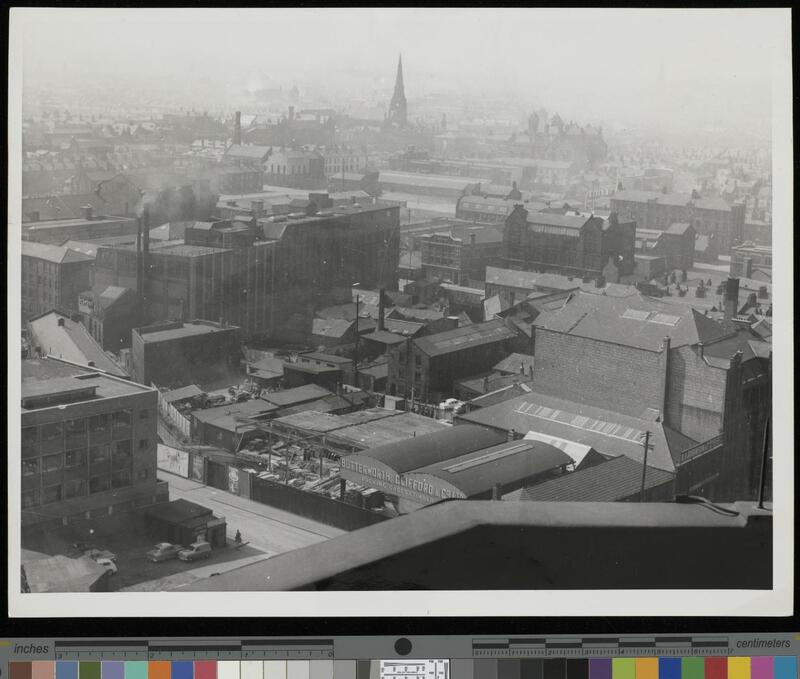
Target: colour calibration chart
[[761, 656]]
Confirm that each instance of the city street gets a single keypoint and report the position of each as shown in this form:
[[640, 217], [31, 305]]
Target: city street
[[266, 528]]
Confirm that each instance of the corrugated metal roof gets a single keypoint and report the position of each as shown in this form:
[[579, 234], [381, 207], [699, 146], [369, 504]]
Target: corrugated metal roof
[[607, 432], [479, 471], [611, 481], [427, 449], [466, 337]]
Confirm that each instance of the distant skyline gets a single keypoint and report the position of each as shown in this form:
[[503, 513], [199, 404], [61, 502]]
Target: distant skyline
[[678, 68]]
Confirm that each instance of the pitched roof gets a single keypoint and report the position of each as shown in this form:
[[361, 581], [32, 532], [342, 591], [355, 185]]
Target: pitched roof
[[331, 327], [513, 363], [678, 228], [308, 392], [529, 280], [252, 152], [465, 337], [611, 481], [53, 253], [607, 432], [634, 321], [70, 341]]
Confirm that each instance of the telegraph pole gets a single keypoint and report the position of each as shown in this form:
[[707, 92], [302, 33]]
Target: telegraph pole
[[647, 447], [355, 350]]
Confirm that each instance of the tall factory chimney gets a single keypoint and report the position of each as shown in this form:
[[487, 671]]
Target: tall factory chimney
[[237, 129], [145, 259]]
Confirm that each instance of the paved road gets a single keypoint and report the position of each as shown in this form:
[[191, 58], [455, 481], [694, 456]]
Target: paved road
[[266, 528]]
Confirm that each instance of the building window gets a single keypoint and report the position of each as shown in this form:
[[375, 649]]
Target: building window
[[143, 444], [97, 484], [144, 414], [121, 423], [121, 479], [99, 455], [75, 458], [30, 498], [142, 474], [417, 360], [30, 467], [52, 463], [30, 443], [51, 494], [99, 423], [51, 434], [121, 456], [76, 488], [76, 433]]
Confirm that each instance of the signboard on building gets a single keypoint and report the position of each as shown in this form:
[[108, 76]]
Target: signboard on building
[[85, 304], [173, 460], [359, 469]]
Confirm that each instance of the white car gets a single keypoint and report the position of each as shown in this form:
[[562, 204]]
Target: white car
[[108, 564]]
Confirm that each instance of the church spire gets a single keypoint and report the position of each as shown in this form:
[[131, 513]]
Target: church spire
[[397, 107]]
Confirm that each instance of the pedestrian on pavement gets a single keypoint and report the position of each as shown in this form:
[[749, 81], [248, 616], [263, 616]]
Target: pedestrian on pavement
[[238, 537]]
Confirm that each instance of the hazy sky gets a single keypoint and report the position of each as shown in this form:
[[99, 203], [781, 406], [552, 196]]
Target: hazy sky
[[681, 66]]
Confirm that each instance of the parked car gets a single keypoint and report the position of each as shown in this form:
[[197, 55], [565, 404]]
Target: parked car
[[164, 551], [108, 564], [195, 551]]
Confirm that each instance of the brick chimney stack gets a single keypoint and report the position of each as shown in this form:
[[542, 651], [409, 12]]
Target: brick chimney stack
[[731, 303], [237, 129]]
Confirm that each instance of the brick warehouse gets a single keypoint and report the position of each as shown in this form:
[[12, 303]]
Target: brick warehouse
[[705, 378], [427, 367], [570, 244], [88, 445], [709, 216]]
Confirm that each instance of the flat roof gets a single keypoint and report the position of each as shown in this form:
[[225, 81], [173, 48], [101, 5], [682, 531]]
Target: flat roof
[[187, 330], [312, 420], [94, 385], [387, 430], [428, 180], [72, 221], [391, 550]]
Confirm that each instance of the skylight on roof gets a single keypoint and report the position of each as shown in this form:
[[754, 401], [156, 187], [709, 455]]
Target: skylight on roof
[[636, 314], [611, 429], [665, 319]]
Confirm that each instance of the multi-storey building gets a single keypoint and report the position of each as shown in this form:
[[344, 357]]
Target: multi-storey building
[[461, 253], [572, 244], [295, 168], [88, 445], [52, 277], [256, 276], [177, 354], [708, 380], [427, 367], [708, 216], [87, 227]]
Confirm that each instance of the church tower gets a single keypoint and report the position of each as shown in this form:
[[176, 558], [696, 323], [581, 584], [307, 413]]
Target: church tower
[[397, 107]]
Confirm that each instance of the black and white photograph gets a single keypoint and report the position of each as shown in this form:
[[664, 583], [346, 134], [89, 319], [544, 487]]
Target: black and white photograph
[[413, 310]]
